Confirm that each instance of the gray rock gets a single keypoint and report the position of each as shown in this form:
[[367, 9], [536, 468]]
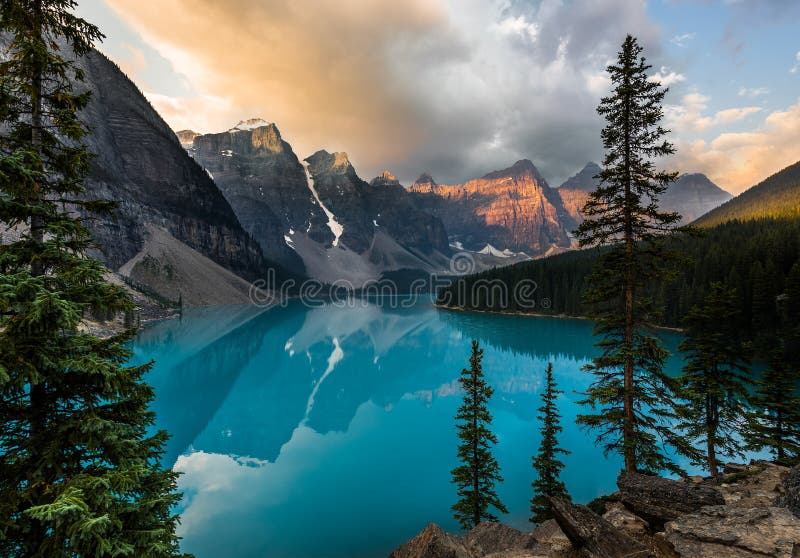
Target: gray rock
[[592, 535], [791, 492], [140, 164], [658, 500], [432, 542], [717, 531]]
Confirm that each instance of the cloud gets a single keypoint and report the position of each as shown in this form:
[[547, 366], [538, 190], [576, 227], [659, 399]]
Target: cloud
[[452, 87], [753, 91], [681, 40], [737, 161], [667, 78], [797, 63], [689, 117]]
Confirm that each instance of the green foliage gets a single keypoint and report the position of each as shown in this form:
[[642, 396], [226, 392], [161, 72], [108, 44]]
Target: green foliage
[[546, 463], [727, 253], [479, 471], [631, 397], [775, 421], [774, 197], [715, 379], [79, 472]]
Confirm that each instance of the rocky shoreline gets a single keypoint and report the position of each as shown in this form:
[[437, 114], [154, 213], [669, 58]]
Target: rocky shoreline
[[754, 512]]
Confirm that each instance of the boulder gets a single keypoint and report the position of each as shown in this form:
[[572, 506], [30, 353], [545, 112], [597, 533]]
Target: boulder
[[593, 536], [732, 532], [791, 492], [432, 542], [491, 537], [756, 486], [658, 500], [626, 521]]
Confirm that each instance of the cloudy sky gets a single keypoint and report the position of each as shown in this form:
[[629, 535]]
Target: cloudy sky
[[458, 88]]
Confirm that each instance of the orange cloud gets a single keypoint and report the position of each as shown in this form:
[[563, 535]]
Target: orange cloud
[[317, 69], [736, 161]]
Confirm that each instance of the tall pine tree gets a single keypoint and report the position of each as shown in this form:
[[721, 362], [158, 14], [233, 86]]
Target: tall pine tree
[[715, 379], [79, 471], [546, 463], [631, 395], [479, 471]]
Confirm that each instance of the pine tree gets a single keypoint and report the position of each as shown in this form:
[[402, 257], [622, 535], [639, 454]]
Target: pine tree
[[631, 389], [775, 421], [479, 471], [79, 472], [546, 463], [715, 378]]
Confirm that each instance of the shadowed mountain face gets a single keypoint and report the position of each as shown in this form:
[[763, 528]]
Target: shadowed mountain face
[[141, 165], [691, 195], [775, 197], [317, 215], [513, 209]]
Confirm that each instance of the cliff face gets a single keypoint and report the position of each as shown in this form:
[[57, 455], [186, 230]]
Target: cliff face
[[513, 208], [317, 215], [263, 180], [140, 164]]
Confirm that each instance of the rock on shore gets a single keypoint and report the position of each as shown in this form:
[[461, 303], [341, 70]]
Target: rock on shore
[[752, 513]]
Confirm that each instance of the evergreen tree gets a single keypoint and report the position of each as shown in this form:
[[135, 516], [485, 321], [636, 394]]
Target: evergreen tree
[[546, 463], [79, 472], [631, 389], [715, 378], [775, 421], [479, 471]]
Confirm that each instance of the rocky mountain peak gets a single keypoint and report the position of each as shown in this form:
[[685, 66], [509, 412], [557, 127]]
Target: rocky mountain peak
[[386, 178], [425, 184], [585, 179], [186, 137], [323, 162], [523, 167], [249, 124]]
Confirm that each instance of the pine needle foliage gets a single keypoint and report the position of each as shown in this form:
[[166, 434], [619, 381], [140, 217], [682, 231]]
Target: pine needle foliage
[[479, 471], [546, 463], [715, 379], [631, 397], [79, 459]]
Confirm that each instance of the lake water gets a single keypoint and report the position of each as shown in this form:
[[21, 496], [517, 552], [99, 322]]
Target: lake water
[[328, 432]]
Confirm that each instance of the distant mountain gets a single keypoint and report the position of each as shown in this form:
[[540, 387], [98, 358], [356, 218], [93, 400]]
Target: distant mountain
[[691, 195], [511, 209], [777, 196], [585, 179], [160, 190], [318, 216]]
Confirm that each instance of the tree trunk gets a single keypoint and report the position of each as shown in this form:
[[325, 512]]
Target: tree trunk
[[629, 450]]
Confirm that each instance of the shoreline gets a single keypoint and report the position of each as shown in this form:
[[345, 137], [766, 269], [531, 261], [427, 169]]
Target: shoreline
[[537, 315]]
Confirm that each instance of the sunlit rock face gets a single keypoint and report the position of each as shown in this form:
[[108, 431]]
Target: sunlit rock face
[[513, 208], [140, 164]]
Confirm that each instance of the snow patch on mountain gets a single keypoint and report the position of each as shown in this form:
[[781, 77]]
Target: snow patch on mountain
[[336, 228]]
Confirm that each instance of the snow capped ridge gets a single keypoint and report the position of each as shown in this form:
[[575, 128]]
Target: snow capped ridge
[[249, 124], [506, 253]]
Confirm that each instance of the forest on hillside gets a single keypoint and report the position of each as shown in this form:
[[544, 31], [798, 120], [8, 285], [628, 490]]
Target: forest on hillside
[[759, 258]]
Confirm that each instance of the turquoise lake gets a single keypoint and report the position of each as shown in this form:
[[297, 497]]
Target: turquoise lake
[[328, 431]]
